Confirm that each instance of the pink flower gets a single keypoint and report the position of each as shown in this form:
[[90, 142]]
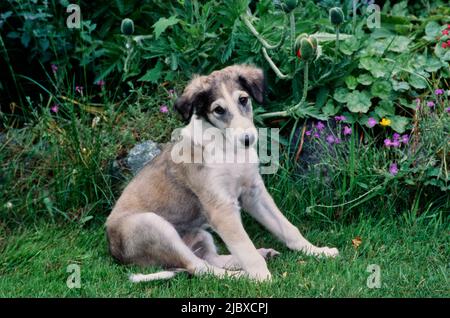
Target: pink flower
[[393, 169], [430, 104], [447, 110], [347, 130], [395, 143], [439, 91], [54, 108], [372, 122], [164, 109], [79, 89], [171, 93], [330, 139], [320, 126], [100, 83], [54, 68], [308, 133], [405, 139], [387, 142], [316, 135], [340, 118]]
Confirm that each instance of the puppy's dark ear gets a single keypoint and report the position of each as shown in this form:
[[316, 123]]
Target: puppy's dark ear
[[253, 82], [184, 105], [197, 103]]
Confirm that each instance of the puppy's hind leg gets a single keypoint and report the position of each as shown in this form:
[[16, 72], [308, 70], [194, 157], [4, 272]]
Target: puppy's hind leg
[[150, 239], [205, 248]]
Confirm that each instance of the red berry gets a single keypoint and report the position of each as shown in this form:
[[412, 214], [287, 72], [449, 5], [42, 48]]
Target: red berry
[[448, 42], [445, 32], [444, 45], [299, 54], [448, 26]]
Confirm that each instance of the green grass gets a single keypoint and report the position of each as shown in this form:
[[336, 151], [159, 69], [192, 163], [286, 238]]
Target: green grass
[[413, 262]]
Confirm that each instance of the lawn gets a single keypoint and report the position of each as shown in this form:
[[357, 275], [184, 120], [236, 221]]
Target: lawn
[[413, 262]]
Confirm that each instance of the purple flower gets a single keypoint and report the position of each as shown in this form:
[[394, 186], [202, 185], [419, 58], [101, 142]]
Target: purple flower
[[79, 89], [347, 130], [396, 136], [387, 142], [430, 104], [340, 118], [447, 110], [405, 139], [393, 169], [54, 108], [164, 109], [330, 139], [372, 122], [439, 91], [395, 143], [308, 133], [317, 135], [54, 68], [100, 83], [171, 93], [417, 103], [320, 126]]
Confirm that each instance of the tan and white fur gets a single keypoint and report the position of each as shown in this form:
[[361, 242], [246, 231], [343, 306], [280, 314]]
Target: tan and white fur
[[163, 215]]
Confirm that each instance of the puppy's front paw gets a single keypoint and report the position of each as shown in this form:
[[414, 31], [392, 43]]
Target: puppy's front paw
[[260, 276], [324, 251], [268, 252]]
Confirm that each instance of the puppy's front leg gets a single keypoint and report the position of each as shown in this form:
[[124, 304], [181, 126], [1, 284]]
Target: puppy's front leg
[[258, 203], [226, 221]]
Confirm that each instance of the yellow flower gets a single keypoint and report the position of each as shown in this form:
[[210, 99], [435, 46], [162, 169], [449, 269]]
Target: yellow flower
[[385, 122]]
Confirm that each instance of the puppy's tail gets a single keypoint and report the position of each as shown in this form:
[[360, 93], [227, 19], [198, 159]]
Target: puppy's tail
[[138, 278]]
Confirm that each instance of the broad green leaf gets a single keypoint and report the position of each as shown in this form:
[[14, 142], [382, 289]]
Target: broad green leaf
[[381, 89], [376, 68], [330, 109], [162, 24], [399, 44], [417, 81], [349, 46], [432, 30], [400, 86], [321, 97], [153, 74], [351, 82], [385, 108], [358, 102], [341, 94], [365, 79], [399, 123]]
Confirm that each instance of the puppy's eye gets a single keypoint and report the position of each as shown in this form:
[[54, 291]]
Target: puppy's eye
[[219, 110], [243, 100]]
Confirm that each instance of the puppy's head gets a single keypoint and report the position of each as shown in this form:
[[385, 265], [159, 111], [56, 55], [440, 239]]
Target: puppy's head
[[224, 100]]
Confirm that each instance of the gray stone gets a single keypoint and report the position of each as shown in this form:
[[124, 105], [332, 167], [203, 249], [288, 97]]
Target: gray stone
[[141, 154]]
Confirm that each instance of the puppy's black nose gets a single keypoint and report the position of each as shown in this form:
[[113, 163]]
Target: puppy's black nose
[[247, 139]]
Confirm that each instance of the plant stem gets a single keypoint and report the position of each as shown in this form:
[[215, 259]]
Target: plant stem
[[354, 15], [337, 42], [252, 29], [272, 65], [292, 22], [287, 112]]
